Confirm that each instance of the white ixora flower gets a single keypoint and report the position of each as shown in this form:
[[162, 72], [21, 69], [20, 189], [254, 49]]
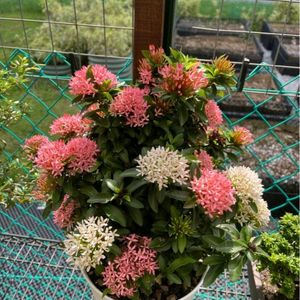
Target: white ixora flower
[[249, 189], [87, 243], [161, 165]]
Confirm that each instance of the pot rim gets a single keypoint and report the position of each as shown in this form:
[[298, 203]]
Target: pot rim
[[94, 288]]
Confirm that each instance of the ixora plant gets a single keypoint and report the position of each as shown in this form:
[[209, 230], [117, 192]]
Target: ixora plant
[[138, 180]]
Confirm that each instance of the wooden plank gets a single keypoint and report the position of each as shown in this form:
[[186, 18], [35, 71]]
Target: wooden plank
[[148, 27]]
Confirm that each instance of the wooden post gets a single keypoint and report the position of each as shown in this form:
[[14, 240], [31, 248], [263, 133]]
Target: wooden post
[[148, 27]]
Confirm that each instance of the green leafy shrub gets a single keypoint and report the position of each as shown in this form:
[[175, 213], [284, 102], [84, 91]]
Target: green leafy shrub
[[282, 255]]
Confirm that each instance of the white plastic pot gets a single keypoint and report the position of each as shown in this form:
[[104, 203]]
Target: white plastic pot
[[97, 294]]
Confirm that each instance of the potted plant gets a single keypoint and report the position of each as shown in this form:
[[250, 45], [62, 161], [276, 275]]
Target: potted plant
[[138, 180], [278, 268]]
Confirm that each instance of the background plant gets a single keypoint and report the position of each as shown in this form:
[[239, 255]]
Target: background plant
[[282, 259]]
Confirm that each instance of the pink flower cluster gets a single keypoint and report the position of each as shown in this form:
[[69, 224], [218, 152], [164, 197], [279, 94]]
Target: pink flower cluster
[[214, 192], [63, 215], [156, 55], [177, 80], [205, 160], [136, 260], [77, 156], [131, 104], [242, 136], [70, 125], [214, 114], [44, 185], [145, 71], [81, 84], [32, 145]]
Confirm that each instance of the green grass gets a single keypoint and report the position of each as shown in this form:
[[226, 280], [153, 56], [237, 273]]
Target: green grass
[[234, 9], [47, 99]]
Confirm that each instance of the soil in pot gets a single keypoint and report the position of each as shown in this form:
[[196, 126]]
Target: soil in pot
[[160, 292], [203, 46], [239, 102], [184, 26]]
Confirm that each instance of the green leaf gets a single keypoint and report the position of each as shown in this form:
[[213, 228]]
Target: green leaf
[[161, 262], [88, 190], [180, 262], [115, 214], [160, 244], [246, 234], [129, 173], [212, 274], [112, 185], [134, 185], [152, 199], [101, 198], [235, 267], [136, 216], [115, 250], [173, 278], [253, 206], [214, 260], [178, 195], [178, 140], [212, 240], [230, 247], [135, 203], [230, 228], [175, 246], [183, 115], [181, 243]]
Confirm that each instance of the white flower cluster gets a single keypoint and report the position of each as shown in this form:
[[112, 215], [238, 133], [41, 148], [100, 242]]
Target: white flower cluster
[[248, 187], [89, 241], [161, 165]]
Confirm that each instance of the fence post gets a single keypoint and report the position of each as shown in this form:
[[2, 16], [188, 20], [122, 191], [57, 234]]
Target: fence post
[[148, 27]]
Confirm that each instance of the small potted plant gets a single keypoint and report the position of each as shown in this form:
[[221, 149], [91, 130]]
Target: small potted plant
[[139, 183], [278, 266]]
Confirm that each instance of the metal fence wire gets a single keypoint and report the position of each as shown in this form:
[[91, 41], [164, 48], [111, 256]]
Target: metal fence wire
[[268, 105]]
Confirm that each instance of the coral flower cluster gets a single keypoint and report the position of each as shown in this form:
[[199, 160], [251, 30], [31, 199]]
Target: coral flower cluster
[[77, 156], [130, 103], [162, 165], [179, 81], [242, 136], [205, 160], [214, 114], [32, 145], [214, 192], [88, 80], [63, 215], [70, 125], [136, 260]]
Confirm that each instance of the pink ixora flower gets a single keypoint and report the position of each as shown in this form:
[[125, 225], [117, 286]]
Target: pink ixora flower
[[32, 145], [81, 154], [80, 84], [63, 215], [156, 54], [131, 104], [136, 260], [205, 160], [214, 192], [51, 157], [242, 136], [101, 75], [45, 184], [145, 71], [214, 114], [70, 125], [177, 80]]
